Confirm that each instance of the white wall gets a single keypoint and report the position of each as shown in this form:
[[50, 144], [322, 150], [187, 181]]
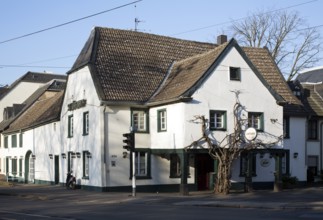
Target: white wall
[[18, 94], [297, 143], [80, 86]]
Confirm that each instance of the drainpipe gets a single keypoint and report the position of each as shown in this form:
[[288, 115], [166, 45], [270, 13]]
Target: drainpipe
[[321, 150], [103, 139]]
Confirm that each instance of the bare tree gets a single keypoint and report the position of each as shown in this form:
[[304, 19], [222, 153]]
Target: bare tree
[[229, 149], [292, 44]]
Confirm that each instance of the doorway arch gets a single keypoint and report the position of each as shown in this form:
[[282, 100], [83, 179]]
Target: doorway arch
[[27, 167]]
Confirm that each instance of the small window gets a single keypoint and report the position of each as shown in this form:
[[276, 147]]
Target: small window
[[70, 126], [286, 127], [235, 73], [256, 120], [21, 140], [14, 141], [162, 120], [14, 166], [85, 123], [312, 165], [20, 167], [142, 164], [140, 120], [175, 166], [218, 120], [6, 141], [312, 129], [86, 166]]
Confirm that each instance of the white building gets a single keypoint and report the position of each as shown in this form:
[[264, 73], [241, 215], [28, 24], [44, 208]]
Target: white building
[[32, 135], [157, 85]]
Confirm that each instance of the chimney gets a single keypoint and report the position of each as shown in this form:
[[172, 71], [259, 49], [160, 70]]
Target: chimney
[[221, 39]]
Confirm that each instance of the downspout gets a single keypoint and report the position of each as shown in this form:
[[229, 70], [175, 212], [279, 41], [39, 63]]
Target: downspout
[[103, 139], [321, 150]]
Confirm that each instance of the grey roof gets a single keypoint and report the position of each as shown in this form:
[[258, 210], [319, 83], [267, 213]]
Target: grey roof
[[34, 77], [312, 76]]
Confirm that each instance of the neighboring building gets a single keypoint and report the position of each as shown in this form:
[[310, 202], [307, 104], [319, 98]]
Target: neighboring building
[[308, 87], [156, 85], [22, 88], [33, 130]]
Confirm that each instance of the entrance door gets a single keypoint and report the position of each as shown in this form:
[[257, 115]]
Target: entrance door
[[204, 166], [56, 169]]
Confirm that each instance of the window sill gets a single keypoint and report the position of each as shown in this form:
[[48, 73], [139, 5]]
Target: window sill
[[85, 178]]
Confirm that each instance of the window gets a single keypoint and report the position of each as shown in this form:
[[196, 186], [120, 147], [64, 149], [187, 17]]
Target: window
[[312, 129], [20, 167], [286, 127], [218, 120], [312, 163], [142, 164], [20, 140], [86, 166], [244, 164], [70, 126], [256, 120], [85, 123], [140, 120], [235, 73], [14, 166], [162, 120], [13, 140], [5, 141], [70, 162], [175, 166]]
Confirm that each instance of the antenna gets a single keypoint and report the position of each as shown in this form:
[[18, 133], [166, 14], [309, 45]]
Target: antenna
[[137, 21]]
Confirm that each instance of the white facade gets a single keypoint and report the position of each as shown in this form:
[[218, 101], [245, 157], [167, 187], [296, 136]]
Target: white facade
[[18, 95]]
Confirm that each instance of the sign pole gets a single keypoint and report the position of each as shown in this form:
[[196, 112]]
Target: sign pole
[[133, 174]]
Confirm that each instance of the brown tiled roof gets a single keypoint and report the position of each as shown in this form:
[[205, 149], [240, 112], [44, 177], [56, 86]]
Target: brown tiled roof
[[312, 99], [265, 64], [130, 66], [53, 86], [185, 73], [46, 109]]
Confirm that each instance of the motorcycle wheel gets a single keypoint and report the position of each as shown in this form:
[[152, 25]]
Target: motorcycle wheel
[[72, 185]]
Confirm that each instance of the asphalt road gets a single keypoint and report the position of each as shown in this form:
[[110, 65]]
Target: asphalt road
[[53, 202]]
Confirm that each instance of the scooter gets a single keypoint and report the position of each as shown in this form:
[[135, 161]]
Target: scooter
[[70, 181]]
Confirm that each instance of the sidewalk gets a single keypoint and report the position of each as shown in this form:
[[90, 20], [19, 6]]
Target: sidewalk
[[299, 198]]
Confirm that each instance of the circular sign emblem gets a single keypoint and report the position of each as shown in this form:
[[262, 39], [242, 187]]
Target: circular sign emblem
[[250, 134], [265, 162]]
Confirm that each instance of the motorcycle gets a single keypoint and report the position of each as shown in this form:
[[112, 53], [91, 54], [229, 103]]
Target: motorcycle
[[70, 181]]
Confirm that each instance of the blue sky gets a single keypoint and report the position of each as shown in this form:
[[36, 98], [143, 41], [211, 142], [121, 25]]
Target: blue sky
[[55, 50]]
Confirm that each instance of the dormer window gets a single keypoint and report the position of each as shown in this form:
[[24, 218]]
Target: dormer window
[[235, 73]]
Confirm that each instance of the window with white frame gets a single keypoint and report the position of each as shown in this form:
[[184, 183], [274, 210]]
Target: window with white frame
[[86, 164], [142, 164], [85, 123], [140, 120], [218, 120], [21, 140], [162, 120], [235, 73], [256, 120], [14, 141], [6, 141], [70, 126]]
